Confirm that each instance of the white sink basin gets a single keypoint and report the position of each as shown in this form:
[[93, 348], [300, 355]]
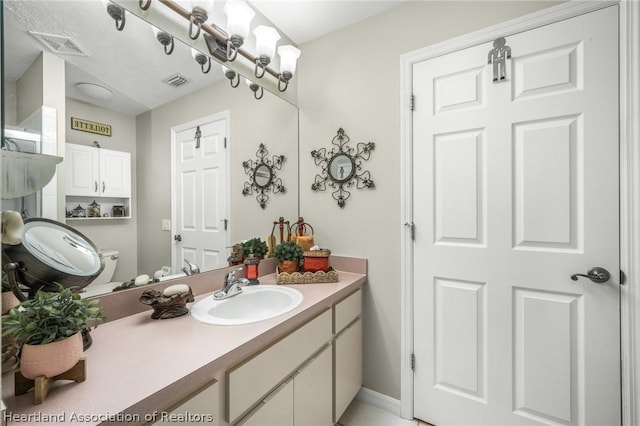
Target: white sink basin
[[255, 303]]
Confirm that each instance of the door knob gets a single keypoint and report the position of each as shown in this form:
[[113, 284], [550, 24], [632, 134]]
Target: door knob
[[177, 237], [597, 275]]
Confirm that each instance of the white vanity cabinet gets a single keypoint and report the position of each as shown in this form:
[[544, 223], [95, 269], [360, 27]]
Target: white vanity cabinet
[[347, 352], [308, 378], [97, 172], [252, 384], [197, 409]]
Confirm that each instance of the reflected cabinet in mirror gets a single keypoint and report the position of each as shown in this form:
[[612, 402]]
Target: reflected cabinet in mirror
[[342, 167], [150, 99]]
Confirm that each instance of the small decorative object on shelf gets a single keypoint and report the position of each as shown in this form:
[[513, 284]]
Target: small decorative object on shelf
[[118, 211], [251, 265], [300, 234], [316, 260], [331, 276], [169, 303], [341, 167], [254, 246], [94, 209], [288, 255], [78, 212]]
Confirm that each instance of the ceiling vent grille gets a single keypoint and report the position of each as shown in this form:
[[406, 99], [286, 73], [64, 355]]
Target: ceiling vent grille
[[176, 80], [62, 45]]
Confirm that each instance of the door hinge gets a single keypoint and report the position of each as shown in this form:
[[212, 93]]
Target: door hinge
[[412, 102], [623, 277], [225, 143], [413, 362], [412, 227]]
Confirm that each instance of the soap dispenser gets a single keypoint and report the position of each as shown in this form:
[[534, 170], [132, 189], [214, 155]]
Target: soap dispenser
[[251, 269]]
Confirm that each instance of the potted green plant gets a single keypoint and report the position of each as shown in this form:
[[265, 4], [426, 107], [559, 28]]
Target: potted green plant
[[48, 328], [288, 255], [9, 300], [254, 246]]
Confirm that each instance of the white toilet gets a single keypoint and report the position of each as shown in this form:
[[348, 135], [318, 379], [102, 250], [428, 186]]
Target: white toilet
[[103, 284]]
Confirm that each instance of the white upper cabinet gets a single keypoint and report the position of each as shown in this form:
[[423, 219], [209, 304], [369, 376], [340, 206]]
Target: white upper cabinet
[[97, 172]]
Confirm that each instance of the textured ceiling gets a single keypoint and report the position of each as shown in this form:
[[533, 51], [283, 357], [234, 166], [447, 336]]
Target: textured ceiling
[[131, 63]]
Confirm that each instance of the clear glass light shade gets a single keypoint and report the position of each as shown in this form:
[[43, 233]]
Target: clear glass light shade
[[288, 58], [239, 16], [266, 38]]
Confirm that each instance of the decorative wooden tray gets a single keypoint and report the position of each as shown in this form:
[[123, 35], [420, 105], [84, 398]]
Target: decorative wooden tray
[[331, 276]]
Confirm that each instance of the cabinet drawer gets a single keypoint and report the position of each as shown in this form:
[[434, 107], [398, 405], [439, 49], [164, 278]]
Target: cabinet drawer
[[252, 380], [347, 310], [201, 407]]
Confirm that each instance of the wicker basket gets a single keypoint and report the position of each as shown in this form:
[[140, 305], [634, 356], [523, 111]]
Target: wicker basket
[[331, 276]]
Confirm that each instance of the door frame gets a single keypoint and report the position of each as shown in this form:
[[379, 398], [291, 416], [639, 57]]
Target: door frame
[[629, 67], [223, 115]]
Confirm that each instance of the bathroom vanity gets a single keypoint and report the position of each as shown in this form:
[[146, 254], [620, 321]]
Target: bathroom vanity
[[300, 368]]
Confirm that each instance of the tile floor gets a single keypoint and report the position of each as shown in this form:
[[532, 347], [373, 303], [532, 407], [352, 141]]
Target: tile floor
[[360, 413]]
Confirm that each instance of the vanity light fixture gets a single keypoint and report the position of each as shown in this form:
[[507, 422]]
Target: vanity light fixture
[[116, 12], [225, 45], [288, 58], [202, 60], [266, 39], [257, 90], [234, 77], [198, 16], [239, 16], [165, 39]]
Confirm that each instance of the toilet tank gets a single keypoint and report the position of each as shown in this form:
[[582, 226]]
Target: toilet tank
[[110, 262]]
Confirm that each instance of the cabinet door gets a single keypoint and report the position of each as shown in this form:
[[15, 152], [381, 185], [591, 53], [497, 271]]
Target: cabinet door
[[275, 410], [313, 392], [115, 173], [347, 367], [82, 170]]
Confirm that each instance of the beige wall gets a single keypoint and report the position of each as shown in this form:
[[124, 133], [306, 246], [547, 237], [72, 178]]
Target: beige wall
[[269, 120], [120, 234], [351, 79]]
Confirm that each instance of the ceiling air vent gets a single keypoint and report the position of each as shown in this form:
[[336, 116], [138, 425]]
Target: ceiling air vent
[[62, 45], [176, 80]]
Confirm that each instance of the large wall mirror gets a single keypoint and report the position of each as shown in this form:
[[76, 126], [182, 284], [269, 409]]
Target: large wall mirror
[[143, 109]]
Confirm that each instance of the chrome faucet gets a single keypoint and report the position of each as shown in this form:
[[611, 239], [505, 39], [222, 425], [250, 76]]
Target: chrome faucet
[[190, 269], [232, 286]]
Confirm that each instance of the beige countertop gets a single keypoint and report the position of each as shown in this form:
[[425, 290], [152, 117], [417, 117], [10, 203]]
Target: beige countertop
[[137, 365]]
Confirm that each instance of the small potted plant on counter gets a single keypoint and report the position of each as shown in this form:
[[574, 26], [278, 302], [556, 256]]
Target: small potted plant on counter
[[254, 246], [49, 330], [288, 255]]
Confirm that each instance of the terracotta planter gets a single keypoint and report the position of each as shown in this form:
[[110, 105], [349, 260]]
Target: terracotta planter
[[9, 300], [50, 359], [289, 266]]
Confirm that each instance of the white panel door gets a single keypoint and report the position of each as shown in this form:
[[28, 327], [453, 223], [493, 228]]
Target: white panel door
[[201, 195], [516, 189]]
